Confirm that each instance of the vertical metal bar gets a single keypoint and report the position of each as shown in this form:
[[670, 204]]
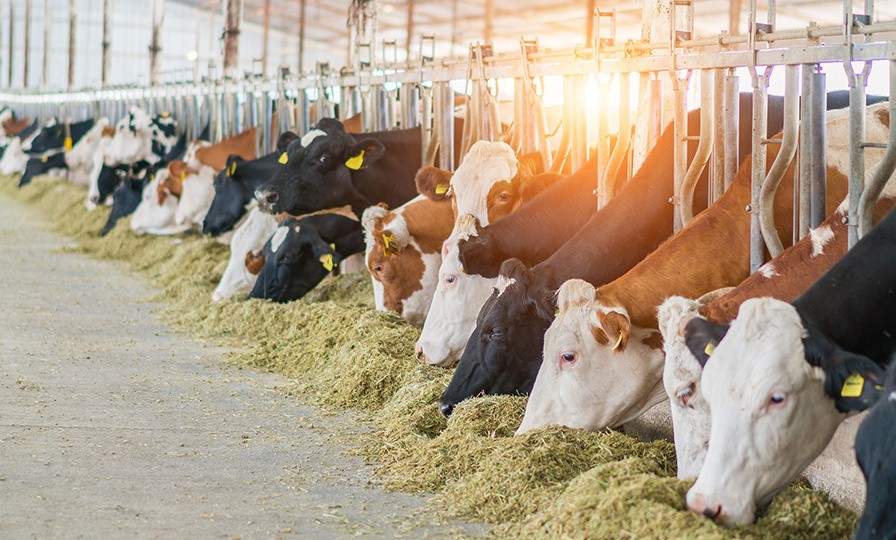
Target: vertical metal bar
[[704, 147], [446, 130], [410, 30], [758, 161], [489, 20], [805, 161], [886, 168], [718, 153], [72, 39], [27, 45], [107, 41], [410, 104], [856, 151], [680, 144], [302, 36], [158, 16], [266, 38], [603, 141], [590, 5], [817, 128], [623, 140], [655, 119], [48, 22], [731, 121], [234, 14]]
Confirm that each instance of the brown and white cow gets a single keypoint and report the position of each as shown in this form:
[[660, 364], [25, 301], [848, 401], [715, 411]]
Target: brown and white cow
[[215, 156], [603, 362], [489, 184], [403, 254]]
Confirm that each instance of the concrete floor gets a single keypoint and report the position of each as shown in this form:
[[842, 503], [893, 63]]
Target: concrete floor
[[112, 426]]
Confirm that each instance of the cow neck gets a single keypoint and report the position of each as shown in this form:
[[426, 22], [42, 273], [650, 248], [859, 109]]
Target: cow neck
[[344, 211]]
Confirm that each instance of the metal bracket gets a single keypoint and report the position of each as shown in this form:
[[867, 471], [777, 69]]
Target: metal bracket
[[364, 55], [387, 45], [428, 43], [600, 39]]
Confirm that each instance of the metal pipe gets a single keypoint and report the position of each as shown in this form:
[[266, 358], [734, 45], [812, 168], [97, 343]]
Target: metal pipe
[[48, 22], [72, 36], [603, 142], [655, 117], [679, 146], [704, 147], [302, 36], [410, 104], [623, 140], [489, 20], [446, 130], [410, 30], [158, 17], [27, 45], [107, 41], [717, 185], [857, 82], [758, 161], [266, 38], [817, 128], [589, 22], [234, 15], [12, 16], [884, 171], [805, 161], [783, 160]]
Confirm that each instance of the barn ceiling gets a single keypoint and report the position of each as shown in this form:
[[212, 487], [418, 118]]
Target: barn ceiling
[[557, 23]]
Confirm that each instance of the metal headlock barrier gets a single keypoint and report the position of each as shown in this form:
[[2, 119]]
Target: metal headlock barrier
[[388, 94]]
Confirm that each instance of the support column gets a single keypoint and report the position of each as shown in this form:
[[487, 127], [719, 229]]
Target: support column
[[234, 13], [44, 72], [489, 19], [72, 38], [266, 44], [302, 35], [158, 16], [410, 31], [12, 17], [27, 46], [107, 40]]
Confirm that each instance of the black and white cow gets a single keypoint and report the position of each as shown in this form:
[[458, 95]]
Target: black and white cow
[[301, 253], [779, 382], [876, 454], [52, 136], [140, 137], [234, 189], [330, 168], [37, 166]]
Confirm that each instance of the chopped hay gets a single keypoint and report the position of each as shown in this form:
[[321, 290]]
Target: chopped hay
[[553, 482]]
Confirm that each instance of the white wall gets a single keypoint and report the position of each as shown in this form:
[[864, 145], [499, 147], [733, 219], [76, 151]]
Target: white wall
[[184, 29]]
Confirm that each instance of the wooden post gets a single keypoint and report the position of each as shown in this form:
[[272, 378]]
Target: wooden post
[[158, 17], [72, 35], [12, 16], [107, 40], [234, 11], [589, 23], [489, 19], [27, 46], [410, 32], [301, 35], [734, 18], [267, 30], [44, 74]]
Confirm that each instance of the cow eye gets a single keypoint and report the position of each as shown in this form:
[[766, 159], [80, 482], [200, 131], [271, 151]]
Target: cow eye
[[568, 358], [323, 159], [496, 334], [377, 269], [450, 279], [776, 400], [685, 393], [504, 197]]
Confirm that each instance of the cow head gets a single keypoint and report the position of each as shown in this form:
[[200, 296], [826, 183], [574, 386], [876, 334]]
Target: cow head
[[229, 202], [317, 169], [50, 136], [503, 353], [875, 442], [197, 192], [770, 412], [155, 215], [125, 199], [597, 369], [140, 137], [296, 259], [82, 154], [42, 165], [246, 255], [107, 181]]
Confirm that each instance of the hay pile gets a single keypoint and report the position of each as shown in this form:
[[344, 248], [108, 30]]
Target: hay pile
[[552, 482]]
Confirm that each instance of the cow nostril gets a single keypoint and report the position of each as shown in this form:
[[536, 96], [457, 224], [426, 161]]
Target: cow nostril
[[418, 353], [712, 512], [446, 409], [271, 198]]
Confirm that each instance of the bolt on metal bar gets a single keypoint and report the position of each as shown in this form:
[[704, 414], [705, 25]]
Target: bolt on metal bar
[[704, 147], [886, 168]]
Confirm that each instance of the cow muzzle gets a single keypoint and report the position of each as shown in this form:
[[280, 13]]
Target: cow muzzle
[[267, 199]]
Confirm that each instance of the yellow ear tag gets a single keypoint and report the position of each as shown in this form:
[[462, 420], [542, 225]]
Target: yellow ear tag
[[283, 159], [618, 341], [327, 261], [556, 313], [333, 247], [710, 348], [852, 386], [388, 242], [442, 189], [68, 144], [182, 176], [231, 169], [165, 114], [354, 163], [43, 159]]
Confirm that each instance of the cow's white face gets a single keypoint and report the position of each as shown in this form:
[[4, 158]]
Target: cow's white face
[[456, 303], [14, 158], [770, 415], [82, 154], [151, 216], [196, 196], [597, 371], [249, 237], [132, 141], [681, 379]]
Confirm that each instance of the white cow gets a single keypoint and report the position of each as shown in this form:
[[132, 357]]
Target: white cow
[[135, 136], [246, 259], [197, 193], [14, 159], [458, 296], [82, 157], [156, 211]]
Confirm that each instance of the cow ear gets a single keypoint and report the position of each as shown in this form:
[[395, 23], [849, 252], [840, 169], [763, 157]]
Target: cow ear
[[254, 262], [530, 164], [853, 381], [325, 254], [363, 153], [233, 161], [534, 185], [617, 327], [285, 139], [434, 183], [702, 337]]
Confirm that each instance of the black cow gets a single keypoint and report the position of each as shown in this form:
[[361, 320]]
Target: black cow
[[301, 252], [37, 166], [876, 454], [52, 136], [234, 188], [125, 199], [337, 169], [108, 180]]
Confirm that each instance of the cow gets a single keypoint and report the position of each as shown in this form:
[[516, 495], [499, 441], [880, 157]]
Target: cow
[[141, 137], [246, 260], [784, 277], [403, 254], [195, 197], [14, 158], [490, 184], [125, 199], [302, 251], [234, 188], [155, 213], [37, 166], [216, 155], [55, 137], [329, 168], [875, 443], [80, 160], [614, 330]]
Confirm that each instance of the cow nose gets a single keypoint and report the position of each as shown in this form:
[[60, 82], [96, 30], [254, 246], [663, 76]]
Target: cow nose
[[446, 409], [95, 199], [267, 198], [418, 352], [699, 506]]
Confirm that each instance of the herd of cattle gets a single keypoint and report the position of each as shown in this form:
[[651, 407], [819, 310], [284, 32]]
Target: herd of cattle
[[521, 282]]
